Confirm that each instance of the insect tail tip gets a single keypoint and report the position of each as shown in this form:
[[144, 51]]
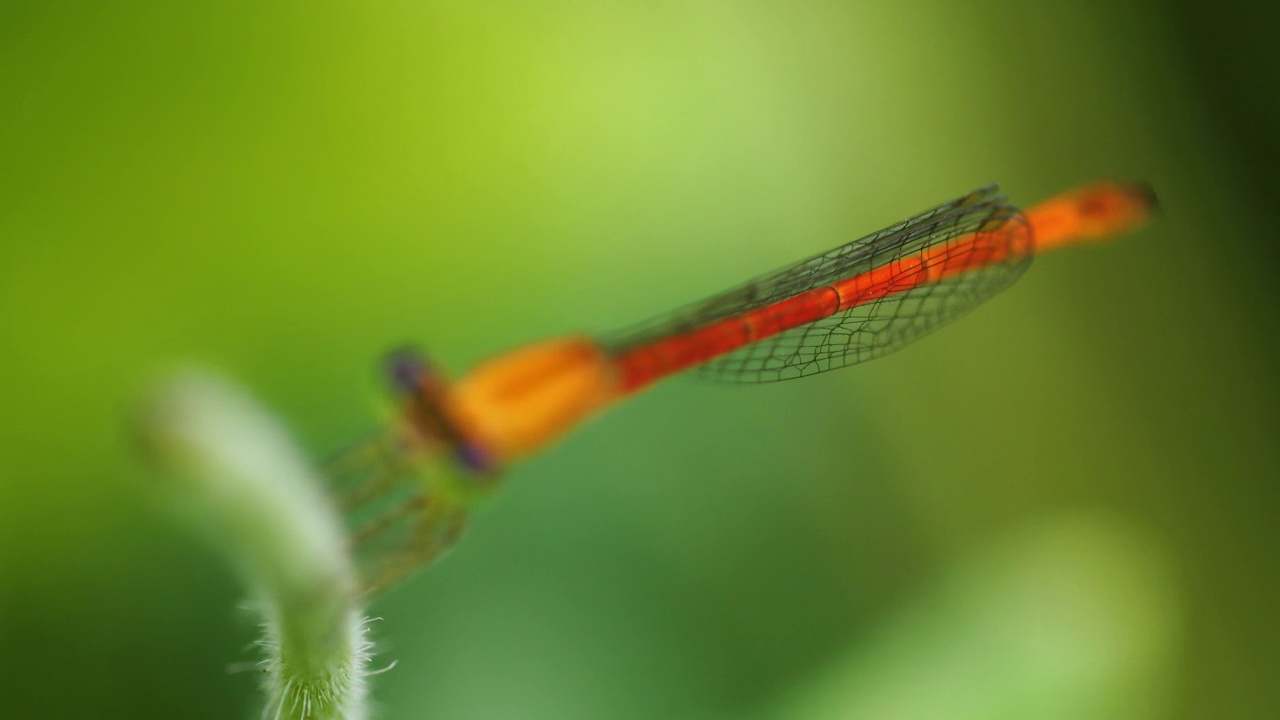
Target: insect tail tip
[[1147, 192]]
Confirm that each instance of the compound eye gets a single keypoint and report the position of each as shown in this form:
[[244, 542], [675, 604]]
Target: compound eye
[[475, 458], [407, 370]]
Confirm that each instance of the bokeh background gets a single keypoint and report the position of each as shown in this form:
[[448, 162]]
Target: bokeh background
[[1062, 506]]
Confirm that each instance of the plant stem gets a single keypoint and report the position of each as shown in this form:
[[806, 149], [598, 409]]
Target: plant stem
[[238, 474]]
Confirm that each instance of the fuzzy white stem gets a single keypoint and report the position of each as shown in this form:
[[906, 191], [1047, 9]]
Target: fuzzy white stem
[[239, 475]]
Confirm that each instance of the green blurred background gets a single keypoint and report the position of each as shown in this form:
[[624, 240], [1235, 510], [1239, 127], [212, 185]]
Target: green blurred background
[[1061, 506]]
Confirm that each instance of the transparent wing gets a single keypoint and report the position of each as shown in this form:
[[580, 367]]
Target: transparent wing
[[942, 236]]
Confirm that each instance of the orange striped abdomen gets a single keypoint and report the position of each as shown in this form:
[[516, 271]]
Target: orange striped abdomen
[[645, 365]]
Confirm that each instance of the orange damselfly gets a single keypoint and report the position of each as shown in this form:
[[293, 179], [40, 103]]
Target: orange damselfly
[[859, 301]]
